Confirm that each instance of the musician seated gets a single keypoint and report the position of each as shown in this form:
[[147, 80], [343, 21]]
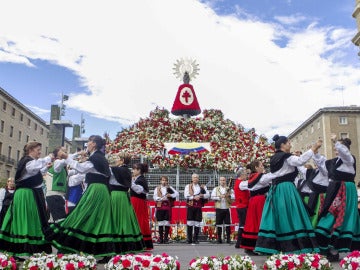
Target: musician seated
[[164, 196]]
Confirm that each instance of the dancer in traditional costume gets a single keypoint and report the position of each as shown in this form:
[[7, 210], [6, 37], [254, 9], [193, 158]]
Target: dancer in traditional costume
[[164, 197], [75, 190], [88, 228], [26, 223], [312, 187], [56, 183], [139, 190], [285, 225], [258, 185], [338, 229], [241, 201], [6, 197], [223, 196], [128, 236], [194, 195]]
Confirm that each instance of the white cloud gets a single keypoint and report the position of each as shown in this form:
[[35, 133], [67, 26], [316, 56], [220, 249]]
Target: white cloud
[[290, 20], [37, 110], [124, 53]]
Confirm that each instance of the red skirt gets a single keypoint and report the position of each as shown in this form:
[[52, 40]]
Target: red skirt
[[142, 213], [252, 222]]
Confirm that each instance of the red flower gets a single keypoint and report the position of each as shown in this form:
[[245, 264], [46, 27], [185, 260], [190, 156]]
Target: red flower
[[291, 265], [4, 263], [277, 263], [50, 265], [315, 264], [145, 263], [60, 255], [116, 259], [157, 259], [70, 266], [126, 263], [224, 267], [205, 267], [155, 268], [354, 265], [35, 267], [81, 265]]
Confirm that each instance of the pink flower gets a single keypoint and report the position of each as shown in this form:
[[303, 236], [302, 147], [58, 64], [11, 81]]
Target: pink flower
[[13, 265], [157, 259], [81, 265], [60, 255], [138, 259], [4, 263], [164, 255]]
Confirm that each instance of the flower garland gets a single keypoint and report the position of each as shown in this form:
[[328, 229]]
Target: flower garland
[[42, 261], [222, 263], [7, 262], [143, 261], [351, 261], [230, 144], [297, 261]]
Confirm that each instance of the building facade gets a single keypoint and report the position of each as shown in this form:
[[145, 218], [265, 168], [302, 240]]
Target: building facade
[[18, 125], [356, 15], [343, 121]]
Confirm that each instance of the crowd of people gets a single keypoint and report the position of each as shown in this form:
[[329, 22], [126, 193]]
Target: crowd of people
[[95, 204]]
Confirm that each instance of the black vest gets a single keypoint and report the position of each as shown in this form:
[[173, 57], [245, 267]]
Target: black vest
[[142, 182], [334, 174], [102, 166], [30, 182], [277, 162]]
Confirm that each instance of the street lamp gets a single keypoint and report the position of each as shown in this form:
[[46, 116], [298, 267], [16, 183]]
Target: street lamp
[[63, 107]]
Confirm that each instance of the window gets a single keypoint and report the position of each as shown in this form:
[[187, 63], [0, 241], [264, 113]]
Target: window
[[29, 122], [21, 117], [7, 174], [318, 124], [0, 148], [11, 131], [2, 124], [343, 120], [35, 127], [46, 150], [42, 131], [4, 106], [27, 138], [13, 111], [312, 129], [344, 135], [19, 138], [17, 155], [9, 152]]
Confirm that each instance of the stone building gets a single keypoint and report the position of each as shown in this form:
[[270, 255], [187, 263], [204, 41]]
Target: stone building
[[356, 15], [18, 125], [343, 121]]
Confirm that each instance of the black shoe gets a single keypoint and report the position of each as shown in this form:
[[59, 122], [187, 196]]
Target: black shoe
[[188, 241], [219, 241], [251, 252], [196, 242], [19, 259], [166, 241], [104, 260], [333, 255]]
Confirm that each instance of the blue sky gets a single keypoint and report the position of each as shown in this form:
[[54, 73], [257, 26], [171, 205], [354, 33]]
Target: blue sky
[[265, 64]]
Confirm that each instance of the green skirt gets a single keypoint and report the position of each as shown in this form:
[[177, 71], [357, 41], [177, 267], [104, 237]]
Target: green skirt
[[285, 225], [22, 232], [128, 237], [88, 228], [315, 218], [346, 237]]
